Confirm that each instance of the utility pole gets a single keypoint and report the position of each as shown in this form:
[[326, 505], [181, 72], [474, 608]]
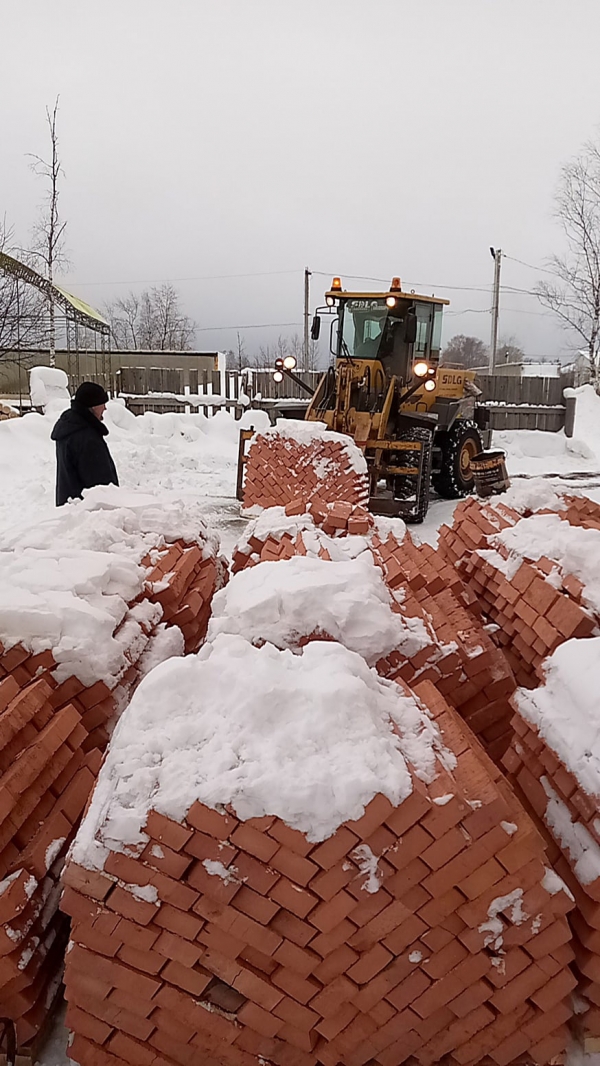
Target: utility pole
[[496, 254], [307, 274]]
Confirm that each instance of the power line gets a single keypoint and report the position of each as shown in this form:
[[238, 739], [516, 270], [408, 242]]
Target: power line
[[200, 277], [257, 325]]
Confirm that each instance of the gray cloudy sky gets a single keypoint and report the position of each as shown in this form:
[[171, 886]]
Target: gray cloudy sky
[[219, 137]]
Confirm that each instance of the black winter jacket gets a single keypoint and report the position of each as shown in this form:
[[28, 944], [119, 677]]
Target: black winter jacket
[[82, 456]]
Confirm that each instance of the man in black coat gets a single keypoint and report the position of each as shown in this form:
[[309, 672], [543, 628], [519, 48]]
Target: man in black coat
[[82, 456]]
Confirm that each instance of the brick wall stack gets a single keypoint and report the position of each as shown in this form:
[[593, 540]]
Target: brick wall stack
[[229, 940], [319, 466], [466, 666], [183, 582], [531, 764], [52, 736], [46, 776]]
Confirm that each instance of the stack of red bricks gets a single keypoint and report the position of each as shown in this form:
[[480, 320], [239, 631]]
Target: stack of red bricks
[[183, 582], [464, 663], [264, 544], [414, 933], [52, 736], [538, 775], [47, 772], [323, 467], [533, 614]]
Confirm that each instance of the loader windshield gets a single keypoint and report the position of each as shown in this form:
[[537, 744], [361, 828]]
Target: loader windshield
[[367, 327]]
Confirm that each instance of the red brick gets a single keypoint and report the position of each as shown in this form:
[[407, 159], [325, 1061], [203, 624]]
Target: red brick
[[125, 904], [256, 875], [287, 925], [297, 959], [377, 811], [326, 916], [325, 943], [259, 1020], [192, 980], [295, 899], [165, 831], [167, 861], [290, 838], [335, 849], [258, 844], [294, 866]]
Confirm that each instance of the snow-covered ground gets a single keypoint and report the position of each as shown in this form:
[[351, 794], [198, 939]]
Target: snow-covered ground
[[194, 458]]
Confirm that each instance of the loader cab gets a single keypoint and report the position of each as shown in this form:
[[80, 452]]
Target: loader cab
[[398, 331]]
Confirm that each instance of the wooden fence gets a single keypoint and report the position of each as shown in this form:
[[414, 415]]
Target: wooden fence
[[524, 402], [163, 389], [513, 403]]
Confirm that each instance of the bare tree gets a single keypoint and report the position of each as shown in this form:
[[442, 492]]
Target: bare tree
[[469, 352], [152, 321], [22, 308], [50, 230], [509, 351], [575, 296]]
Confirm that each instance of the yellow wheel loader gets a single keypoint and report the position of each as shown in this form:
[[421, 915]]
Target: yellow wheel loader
[[417, 423]]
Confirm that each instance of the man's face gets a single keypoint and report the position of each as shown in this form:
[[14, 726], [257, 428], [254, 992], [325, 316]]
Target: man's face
[[99, 410]]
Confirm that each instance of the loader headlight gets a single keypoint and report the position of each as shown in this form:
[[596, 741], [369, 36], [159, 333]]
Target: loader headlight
[[390, 301], [430, 384], [329, 300], [278, 376], [289, 362], [420, 369]]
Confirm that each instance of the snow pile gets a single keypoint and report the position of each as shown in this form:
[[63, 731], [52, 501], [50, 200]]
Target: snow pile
[[535, 495], [49, 388], [282, 602], [566, 709], [66, 583], [310, 738], [189, 455], [574, 549], [586, 431]]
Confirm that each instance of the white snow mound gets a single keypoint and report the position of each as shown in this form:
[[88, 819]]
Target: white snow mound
[[566, 710], [308, 432], [308, 738], [574, 549], [283, 601]]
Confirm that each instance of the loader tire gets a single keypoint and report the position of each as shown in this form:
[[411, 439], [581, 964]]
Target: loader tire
[[455, 477], [404, 487]]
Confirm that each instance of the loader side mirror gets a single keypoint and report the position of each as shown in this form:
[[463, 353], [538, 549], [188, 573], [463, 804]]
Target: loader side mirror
[[315, 329], [410, 328]]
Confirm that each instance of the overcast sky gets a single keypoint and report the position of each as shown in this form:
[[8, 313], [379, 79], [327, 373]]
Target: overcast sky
[[257, 137]]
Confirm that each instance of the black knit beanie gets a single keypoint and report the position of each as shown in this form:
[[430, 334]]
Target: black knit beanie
[[89, 394]]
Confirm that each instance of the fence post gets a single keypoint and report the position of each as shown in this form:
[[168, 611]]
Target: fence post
[[570, 408]]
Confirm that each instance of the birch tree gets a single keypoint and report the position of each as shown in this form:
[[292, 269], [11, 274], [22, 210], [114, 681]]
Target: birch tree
[[575, 295]]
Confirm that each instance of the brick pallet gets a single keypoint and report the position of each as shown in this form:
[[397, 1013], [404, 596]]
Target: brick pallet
[[52, 736], [323, 467], [539, 776], [233, 940]]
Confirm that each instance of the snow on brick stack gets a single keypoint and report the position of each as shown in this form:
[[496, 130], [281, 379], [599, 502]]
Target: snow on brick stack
[[304, 461], [553, 765], [455, 652], [310, 863], [85, 599]]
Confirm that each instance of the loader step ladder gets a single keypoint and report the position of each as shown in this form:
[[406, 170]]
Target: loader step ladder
[[406, 494]]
